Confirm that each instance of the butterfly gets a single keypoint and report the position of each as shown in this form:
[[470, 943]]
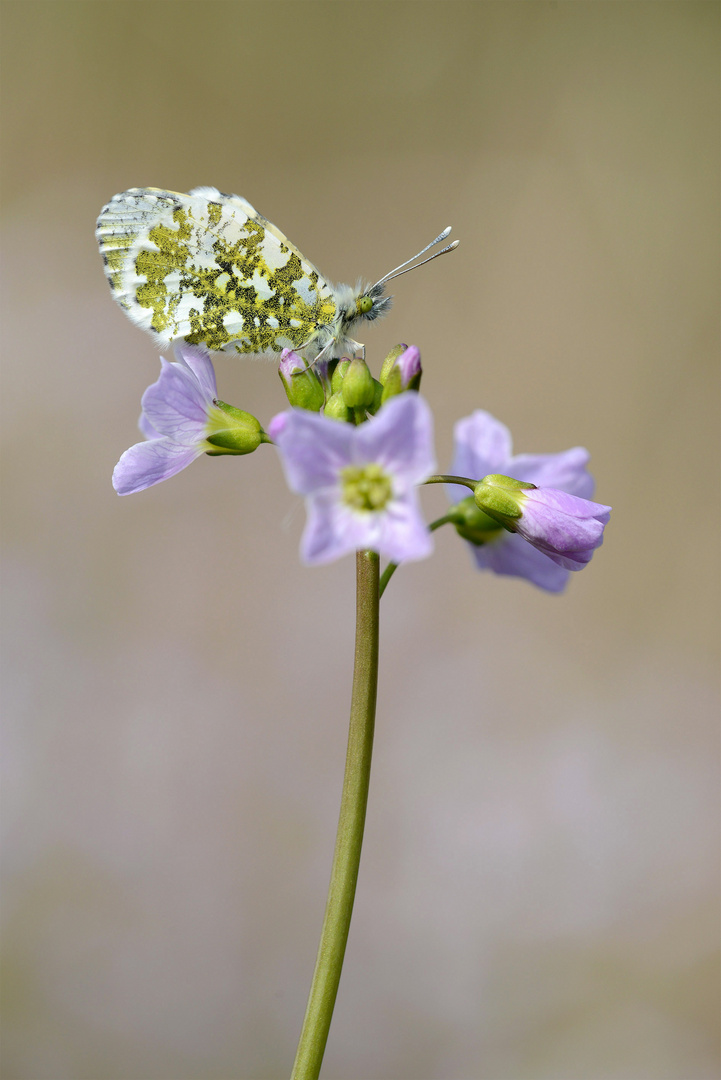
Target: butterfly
[[209, 269]]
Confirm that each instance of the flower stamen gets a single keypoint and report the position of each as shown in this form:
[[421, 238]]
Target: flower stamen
[[367, 488]]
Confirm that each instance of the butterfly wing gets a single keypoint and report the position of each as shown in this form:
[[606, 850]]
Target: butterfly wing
[[208, 268]]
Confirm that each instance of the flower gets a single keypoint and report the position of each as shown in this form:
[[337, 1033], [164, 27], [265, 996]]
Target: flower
[[565, 528], [360, 482], [182, 419], [483, 446]]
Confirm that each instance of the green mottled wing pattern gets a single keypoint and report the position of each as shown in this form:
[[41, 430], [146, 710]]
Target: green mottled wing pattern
[[207, 268]]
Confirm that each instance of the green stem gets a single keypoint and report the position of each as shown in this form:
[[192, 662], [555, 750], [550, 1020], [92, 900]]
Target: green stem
[[390, 570], [344, 874], [443, 479]]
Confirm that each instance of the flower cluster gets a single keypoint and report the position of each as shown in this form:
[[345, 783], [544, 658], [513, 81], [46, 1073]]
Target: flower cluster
[[357, 449]]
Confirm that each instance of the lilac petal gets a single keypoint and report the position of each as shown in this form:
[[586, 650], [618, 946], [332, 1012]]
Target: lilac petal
[[201, 366], [409, 364], [403, 533], [278, 424], [290, 362], [147, 428], [334, 529], [566, 471], [148, 463], [176, 405], [571, 561], [567, 529], [331, 530], [313, 449], [398, 533], [482, 446], [547, 504], [399, 438], [511, 555]]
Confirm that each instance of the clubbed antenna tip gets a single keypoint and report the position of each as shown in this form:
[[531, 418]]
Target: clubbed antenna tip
[[400, 269]]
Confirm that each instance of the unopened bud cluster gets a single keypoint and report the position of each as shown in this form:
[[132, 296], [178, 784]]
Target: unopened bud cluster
[[346, 389]]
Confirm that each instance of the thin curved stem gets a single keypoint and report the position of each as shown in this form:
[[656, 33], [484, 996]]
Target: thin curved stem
[[443, 479], [349, 839], [390, 570]]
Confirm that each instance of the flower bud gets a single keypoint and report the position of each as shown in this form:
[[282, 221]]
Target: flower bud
[[390, 361], [564, 527], [339, 374], [302, 386], [233, 431], [404, 374], [472, 523], [377, 397], [336, 408], [357, 389], [501, 498]]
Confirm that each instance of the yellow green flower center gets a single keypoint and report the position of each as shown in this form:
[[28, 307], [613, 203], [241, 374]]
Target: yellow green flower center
[[366, 487]]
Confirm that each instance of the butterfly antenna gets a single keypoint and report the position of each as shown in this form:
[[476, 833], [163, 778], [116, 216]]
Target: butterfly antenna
[[400, 269]]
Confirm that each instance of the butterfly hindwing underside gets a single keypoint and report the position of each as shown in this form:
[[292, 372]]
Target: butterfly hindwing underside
[[208, 268]]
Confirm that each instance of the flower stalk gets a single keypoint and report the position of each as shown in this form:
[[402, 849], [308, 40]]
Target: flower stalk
[[351, 823]]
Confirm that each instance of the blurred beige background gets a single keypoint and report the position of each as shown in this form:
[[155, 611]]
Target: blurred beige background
[[538, 892]]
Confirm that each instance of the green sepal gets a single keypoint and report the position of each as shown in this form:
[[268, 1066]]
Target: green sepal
[[235, 441], [242, 436], [390, 361], [304, 389], [377, 397], [338, 375], [392, 378], [237, 414], [392, 385], [502, 498]]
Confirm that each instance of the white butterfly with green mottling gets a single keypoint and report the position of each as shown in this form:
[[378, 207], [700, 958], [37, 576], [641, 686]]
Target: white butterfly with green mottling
[[209, 269]]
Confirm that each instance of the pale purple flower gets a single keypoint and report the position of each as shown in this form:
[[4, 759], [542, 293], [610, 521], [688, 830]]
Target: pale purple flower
[[482, 446], [180, 413], [565, 528], [360, 482]]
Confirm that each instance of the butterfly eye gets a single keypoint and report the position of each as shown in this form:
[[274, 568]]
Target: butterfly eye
[[364, 304]]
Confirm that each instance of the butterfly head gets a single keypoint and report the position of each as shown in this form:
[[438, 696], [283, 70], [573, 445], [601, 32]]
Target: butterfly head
[[370, 301], [365, 302], [352, 305]]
